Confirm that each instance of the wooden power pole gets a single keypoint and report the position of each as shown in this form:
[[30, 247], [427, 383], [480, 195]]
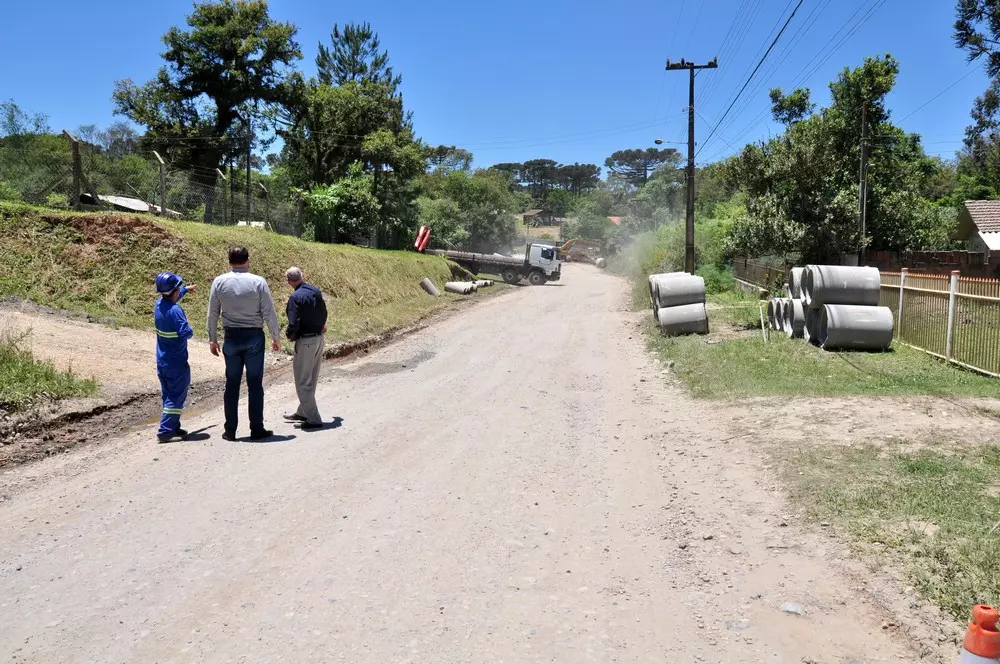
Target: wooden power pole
[[689, 217], [863, 184]]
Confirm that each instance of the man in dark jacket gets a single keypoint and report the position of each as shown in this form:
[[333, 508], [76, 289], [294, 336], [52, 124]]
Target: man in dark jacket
[[306, 327]]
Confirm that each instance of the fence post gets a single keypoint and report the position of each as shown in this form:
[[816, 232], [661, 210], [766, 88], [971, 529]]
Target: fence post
[[952, 290], [163, 184], [899, 311], [77, 171]]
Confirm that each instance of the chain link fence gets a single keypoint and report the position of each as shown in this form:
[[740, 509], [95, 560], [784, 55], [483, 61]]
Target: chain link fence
[[61, 173]]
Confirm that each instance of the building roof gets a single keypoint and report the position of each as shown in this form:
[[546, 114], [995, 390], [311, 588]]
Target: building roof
[[978, 216], [531, 213], [617, 221]]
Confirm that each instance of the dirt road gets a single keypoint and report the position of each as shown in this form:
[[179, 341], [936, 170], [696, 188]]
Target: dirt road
[[518, 483]]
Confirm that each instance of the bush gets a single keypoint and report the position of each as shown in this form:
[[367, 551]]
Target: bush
[[58, 201], [9, 193], [717, 279]]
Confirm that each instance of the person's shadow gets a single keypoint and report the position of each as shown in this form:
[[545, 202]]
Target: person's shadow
[[275, 438], [335, 423]]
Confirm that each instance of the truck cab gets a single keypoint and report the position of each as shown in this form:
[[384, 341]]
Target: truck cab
[[544, 258]]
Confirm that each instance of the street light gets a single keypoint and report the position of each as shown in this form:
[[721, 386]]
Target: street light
[[659, 141]]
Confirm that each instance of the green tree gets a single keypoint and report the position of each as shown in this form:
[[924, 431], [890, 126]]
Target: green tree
[[448, 158], [345, 211], [636, 166], [354, 57], [559, 202], [801, 187], [792, 107], [233, 56], [977, 31], [471, 211]]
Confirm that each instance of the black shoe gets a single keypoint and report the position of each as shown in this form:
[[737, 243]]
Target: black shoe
[[311, 425], [174, 437], [229, 435], [260, 435], [294, 417], [182, 433]]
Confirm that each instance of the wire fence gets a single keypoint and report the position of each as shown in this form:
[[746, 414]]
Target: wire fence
[[61, 172]]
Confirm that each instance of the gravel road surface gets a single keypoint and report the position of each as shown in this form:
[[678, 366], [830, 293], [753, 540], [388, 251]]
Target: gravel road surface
[[518, 483]]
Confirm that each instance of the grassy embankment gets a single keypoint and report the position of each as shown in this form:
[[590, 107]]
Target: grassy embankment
[[104, 264]]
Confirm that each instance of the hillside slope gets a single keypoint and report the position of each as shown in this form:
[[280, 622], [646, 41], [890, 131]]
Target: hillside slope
[[104, 264]]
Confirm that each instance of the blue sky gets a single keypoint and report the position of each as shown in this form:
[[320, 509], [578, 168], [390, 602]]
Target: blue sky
[[516, 80]]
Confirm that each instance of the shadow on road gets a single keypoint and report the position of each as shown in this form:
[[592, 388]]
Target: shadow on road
[[336, 423]]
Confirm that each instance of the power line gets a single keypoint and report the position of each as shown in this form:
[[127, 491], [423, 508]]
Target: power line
[[769, 48]]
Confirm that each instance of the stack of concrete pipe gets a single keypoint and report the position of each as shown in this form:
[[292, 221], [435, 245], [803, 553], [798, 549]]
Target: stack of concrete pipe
[[841, 308], [484, 283], [678, 301], [461, 287]]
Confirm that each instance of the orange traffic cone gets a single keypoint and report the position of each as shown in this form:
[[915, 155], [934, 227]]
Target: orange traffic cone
[[982, 640]]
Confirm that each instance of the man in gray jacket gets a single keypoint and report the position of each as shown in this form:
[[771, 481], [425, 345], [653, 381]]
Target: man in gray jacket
[[244, 302]]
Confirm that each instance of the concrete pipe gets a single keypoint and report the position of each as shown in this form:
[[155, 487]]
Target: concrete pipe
[[770, 313], [794, 318], [854, 327], [810, 329], [841, 284], [684, 319], [459, 287], [678, 290], [795, 283], [653, 278], [429, 287], [483, 283]]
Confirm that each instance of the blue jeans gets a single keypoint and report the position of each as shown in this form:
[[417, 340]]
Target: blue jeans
[[244, 347]]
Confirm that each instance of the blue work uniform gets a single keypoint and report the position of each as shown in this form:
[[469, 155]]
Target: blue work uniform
[[172, 333]]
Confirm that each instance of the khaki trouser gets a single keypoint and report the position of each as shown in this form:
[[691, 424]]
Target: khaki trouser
[[308, 359]]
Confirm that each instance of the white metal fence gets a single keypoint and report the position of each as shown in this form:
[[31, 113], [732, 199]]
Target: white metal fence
[[952, 317]]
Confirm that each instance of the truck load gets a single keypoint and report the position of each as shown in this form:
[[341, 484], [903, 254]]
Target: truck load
[[539, 265]]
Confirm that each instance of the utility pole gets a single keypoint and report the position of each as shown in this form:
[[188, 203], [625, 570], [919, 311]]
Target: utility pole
[[863, 183], [163, 183], [689, 218]]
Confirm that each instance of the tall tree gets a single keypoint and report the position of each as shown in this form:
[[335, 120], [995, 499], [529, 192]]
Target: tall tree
[[977, 31], [354, 55], [447, 158], [635, 166], [232, 56]]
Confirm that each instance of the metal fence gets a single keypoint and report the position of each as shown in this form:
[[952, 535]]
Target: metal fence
[[952, 317], [758, 273]]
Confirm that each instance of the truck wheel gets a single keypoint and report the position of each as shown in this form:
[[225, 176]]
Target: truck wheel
[[536, 278], [510, 275]]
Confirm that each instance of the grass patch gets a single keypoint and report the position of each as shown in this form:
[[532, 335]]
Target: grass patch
[[735, 362], [24, 379], [935, 515], [103, 265]]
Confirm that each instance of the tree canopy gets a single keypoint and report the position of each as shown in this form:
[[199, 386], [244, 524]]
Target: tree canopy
[[635, 166]]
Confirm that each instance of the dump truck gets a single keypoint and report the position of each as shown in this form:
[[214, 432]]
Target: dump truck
[[539, 265]]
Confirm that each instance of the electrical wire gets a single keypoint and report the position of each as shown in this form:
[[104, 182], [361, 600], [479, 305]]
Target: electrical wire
[[761, 62]]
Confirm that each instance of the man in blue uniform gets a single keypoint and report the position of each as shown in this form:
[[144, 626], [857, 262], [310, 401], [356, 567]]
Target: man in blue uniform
[[172, 333]]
